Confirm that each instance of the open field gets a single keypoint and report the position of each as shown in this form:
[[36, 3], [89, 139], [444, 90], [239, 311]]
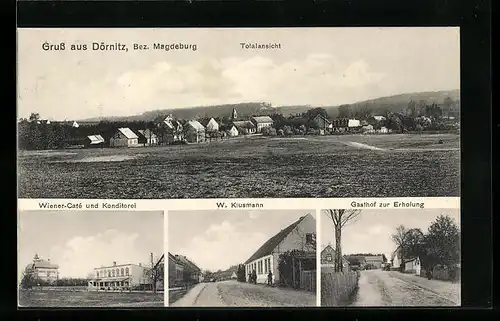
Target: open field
[[47, 298], [311, 166]]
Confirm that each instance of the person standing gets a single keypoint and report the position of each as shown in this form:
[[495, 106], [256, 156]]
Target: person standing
[[254, 277], [270, 278]]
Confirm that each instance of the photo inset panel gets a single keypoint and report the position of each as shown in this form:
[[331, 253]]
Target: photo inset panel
[[91, 259], [375, 258], [242, 258], [186, 113]]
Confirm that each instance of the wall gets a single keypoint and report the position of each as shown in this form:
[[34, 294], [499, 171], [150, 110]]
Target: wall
[[262, 278]]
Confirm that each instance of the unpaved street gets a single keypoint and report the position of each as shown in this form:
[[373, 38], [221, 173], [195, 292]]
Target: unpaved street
[[384, 288], [238, 294]]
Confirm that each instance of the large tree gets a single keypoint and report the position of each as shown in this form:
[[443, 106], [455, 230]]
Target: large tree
[[340, 218], [410, 243], [443, 242]]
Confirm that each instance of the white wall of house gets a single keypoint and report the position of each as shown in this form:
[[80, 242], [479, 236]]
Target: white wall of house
[[120, 140], [233, 131], [296, 240], [212, 125], [262, 267], [260, 126]]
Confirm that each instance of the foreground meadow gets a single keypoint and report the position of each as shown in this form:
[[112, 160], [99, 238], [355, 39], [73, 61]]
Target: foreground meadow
[[260, 167]]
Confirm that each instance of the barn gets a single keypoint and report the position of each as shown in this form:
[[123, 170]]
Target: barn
[[124, 137]]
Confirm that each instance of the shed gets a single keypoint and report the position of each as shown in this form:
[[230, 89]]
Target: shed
[[94, 141]]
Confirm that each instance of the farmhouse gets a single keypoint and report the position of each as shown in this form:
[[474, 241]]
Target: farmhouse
[[300, 235], [232, 131], [147, 137], [384, 130], [379, 118], [171, 130], [322, 123], [212, 125], [261, 122], [195, 132], [43, 270], [413, 266], [94, 141], [124, 137], [328, 259], [175, 271], [245, 127], [120, 277], [374, 261], [368, 129], [191, 272]]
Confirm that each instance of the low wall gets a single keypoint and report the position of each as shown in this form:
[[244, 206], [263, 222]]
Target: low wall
[[337, 287]]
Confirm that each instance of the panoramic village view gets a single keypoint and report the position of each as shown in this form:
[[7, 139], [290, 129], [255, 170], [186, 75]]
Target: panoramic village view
[[390, 258], [113, 265], [242, 259], [192, 125]]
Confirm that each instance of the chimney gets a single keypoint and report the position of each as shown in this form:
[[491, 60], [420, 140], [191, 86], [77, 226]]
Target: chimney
[[114, 263]]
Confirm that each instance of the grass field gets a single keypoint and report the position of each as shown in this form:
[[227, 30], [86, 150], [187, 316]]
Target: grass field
[[47, 298], [311, 166]]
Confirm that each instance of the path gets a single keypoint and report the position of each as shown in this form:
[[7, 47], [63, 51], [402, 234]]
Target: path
[[384, 288], [239, 294]]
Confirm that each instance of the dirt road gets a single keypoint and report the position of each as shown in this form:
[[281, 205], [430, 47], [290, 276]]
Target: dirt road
[[384, 288], [238, 294]]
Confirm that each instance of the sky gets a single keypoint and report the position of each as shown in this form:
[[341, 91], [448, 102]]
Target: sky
[[81, 241], [315, 66], [216, 240], [371, 232]]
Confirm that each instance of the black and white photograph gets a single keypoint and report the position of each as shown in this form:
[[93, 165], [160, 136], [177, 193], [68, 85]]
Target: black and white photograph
[[91, 259], [238, 113], [398, 258], [241, 258]]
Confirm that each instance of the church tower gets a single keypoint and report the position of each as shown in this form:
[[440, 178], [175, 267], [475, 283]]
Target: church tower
[[234, 115]]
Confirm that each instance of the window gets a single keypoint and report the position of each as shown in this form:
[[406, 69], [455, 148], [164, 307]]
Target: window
[[113, 273], [117, 272], [265, 266], [310, 238], [126, 271], [48, 273], [329, 258], [122, 271], [109, 273], [97, 273]]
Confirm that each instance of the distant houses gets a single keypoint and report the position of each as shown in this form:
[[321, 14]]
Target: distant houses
[[374, 261], [194, 132], [245, 127], [42, 270], [328, 259], [147, 137], [212, 125], [124, 137], [261, 122]]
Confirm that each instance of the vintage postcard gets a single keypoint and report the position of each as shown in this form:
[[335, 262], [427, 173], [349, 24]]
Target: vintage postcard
[[238, 113], [242, 258], [95, 259], [396, 258]]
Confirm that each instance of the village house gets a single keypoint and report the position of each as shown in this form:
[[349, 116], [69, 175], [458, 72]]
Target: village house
[[171, 130], [121, 277], [374, 261], [356, 262], [344, 124], [300, 235], [94, 141], [212, 125], [191, 272], [328, 259], [379, 118], [322, 123], [194, 132], [234, 276], [245, 127], [43, 270], [175, 272], [232, 131], [413, 266], [147, 137], [368, 129], [124, 137], [384, 130], [261, 122]]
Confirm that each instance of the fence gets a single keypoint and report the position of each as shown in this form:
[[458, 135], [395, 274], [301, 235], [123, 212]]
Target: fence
[[308, 280], [337, 287]]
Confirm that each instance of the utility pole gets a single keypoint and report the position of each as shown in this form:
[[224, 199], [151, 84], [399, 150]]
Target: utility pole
[[153, 274]]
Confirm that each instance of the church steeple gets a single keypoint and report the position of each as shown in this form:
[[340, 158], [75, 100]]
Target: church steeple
[[234, 115]]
